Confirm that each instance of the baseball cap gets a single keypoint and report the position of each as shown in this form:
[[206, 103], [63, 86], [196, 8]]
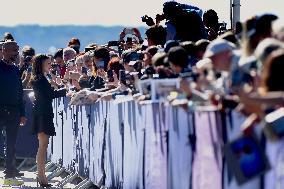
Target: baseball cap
[[217, 46]]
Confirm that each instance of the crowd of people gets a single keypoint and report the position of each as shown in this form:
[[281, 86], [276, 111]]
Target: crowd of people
[[237, 69]]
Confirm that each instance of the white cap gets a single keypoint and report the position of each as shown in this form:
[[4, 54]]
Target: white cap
[[218, 46], [205, 63]]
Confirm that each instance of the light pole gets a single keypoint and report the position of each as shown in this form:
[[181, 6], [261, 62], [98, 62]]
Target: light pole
[[235, 12]]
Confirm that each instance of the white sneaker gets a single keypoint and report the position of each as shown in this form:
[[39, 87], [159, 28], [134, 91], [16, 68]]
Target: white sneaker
[[12, 182]]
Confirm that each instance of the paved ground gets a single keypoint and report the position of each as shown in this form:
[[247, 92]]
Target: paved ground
[[30, 181]]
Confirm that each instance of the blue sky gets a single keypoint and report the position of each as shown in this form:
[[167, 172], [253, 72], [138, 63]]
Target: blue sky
[[115, 12]]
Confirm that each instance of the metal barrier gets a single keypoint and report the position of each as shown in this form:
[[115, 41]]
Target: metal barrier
[[129, 145]]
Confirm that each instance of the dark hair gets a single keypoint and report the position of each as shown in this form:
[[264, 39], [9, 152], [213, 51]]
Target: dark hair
[[170, 9], [76, 48], [158, 59], [152, 50], [272, 76], [37, 65], [157, 34], [202, 44], [102, 53], [8, 36], [58, 53], [190, 48], [230, 36], [178, 56], [210, 18], [114, 64], [28, 51], [74, 41], [75, 44]]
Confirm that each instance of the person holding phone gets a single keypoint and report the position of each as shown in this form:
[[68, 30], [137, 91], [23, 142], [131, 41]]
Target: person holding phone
[[26, 77], [101, 59], [42, 123]]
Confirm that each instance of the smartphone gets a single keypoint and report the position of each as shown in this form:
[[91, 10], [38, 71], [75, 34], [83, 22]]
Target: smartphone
[[87, 49], [128, 31], [71, 63], [110, 76], [101, 64], [29, 70], [49, 78], [129, 40], [84, 70], [113, 43], [122, 76]]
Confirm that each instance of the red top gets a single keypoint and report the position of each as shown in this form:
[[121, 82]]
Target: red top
[[62, 71]]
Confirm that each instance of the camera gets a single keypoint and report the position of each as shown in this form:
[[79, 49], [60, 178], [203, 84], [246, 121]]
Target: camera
[[87, 49], [70, 63], [148, 20], [160, 17]]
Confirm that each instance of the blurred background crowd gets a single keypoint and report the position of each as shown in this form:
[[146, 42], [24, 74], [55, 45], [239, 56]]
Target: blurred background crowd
[[193, 59]]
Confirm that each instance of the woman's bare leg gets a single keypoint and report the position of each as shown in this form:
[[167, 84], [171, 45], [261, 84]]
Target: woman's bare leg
[[41, 154]]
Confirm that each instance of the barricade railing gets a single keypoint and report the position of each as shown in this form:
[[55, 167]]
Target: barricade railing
[[128, 145]]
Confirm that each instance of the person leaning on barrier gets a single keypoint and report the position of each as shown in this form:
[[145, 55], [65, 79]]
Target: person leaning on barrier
[[42, 123], [178, 60], [59, 62], [12, 108], [270, 95]]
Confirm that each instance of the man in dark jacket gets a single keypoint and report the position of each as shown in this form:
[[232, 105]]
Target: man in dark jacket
[[12, 109]]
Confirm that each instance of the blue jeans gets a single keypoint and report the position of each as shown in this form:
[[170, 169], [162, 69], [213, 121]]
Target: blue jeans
[[9, 125]]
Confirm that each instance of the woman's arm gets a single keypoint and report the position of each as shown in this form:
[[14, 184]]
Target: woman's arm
[[45, 89], [270, 99]]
